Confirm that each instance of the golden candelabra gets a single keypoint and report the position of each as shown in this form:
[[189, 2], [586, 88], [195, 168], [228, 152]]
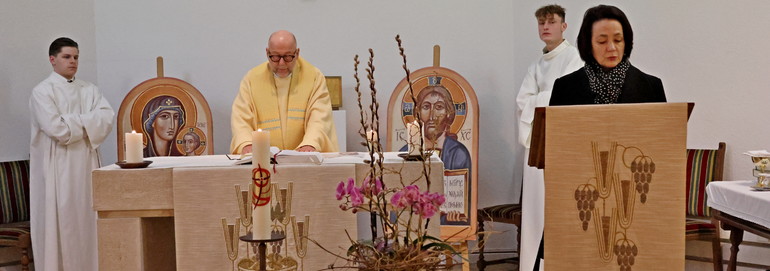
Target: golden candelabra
[[277, 259]]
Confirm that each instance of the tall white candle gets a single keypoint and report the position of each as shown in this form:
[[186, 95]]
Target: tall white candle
[[260, 148], [133, 147], [413, 141]]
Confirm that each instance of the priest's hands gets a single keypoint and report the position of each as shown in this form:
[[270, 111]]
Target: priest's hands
[[306, 148], [246, 149]]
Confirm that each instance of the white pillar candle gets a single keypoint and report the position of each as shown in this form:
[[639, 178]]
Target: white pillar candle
[[413, 141], [133, 151], [260, 199], [260, 148]]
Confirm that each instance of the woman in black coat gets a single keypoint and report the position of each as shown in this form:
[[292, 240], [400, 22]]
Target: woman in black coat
[[605, 41]]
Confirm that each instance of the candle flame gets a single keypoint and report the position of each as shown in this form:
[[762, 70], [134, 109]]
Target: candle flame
[[259, 130], [133, 131]]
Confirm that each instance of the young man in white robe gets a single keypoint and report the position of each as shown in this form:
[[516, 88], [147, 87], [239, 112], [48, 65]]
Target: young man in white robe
[[70, 119], [559, 58]]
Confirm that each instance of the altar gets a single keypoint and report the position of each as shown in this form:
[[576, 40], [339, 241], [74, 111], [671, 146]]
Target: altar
[[174, 215]]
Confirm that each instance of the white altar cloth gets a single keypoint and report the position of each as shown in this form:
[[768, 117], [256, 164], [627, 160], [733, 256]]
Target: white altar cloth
[[173, 208], [739, 200]]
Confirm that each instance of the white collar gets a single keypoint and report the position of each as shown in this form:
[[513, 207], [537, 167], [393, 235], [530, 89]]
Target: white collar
[[60, 79], [553, 53]]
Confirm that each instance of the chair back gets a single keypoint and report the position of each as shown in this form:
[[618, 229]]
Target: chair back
[[703, 166], [14, 191]]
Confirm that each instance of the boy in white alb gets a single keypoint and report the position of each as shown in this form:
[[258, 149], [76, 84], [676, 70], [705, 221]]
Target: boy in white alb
[[70, 119], [559, 58]]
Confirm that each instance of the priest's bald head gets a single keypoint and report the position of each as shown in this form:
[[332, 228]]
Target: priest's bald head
[[282, 53]]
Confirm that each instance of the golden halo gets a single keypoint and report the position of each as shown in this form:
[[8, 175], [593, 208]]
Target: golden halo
[[449, 80], [179, 142]]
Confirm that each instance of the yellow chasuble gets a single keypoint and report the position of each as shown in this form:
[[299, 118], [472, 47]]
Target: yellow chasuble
[[306, 112]]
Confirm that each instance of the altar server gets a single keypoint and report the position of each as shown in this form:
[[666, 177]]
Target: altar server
[[70, 119], [288, 97], [559, 58]]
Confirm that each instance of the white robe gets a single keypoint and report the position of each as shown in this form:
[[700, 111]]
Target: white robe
[[69, 122], [536, 92]]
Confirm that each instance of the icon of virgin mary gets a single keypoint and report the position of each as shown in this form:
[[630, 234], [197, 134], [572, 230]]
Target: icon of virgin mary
[[162, 118]]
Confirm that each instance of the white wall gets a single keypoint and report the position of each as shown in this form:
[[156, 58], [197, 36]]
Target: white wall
[[707, 52], [27, 28]]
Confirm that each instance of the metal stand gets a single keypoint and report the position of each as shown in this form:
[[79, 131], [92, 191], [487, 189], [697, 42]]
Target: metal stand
[[275, 237]]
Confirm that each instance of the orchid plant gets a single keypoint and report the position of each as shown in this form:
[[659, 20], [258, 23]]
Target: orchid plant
[[401, 213]]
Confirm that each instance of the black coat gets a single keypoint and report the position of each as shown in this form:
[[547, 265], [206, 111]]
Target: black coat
[[639, 87]]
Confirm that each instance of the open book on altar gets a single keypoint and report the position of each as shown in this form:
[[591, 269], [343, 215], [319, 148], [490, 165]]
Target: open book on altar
[[278, 156]]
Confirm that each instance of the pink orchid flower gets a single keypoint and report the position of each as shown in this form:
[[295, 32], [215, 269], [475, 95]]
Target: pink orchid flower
[[340, 190], [351, 186], [356, 198]]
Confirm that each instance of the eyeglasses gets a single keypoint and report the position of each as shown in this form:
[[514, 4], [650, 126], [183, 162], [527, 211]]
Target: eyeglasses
[[286, 58]]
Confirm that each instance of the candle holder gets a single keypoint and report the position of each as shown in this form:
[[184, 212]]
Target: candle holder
[[143, 164], [277, 259], [244, 208], [301, 231], [282, 211], [262, 245], [231, 231]]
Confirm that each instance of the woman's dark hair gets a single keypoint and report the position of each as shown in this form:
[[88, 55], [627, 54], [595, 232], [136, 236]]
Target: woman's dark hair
[[599, 13]]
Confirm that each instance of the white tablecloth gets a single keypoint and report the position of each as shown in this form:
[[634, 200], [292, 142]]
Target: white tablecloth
[[737, 199], [221, 160]]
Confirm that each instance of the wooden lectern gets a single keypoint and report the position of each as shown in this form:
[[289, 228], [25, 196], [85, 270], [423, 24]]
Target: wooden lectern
[[614, 185]]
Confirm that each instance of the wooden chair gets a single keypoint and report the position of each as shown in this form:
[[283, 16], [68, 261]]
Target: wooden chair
[[504, 213], [14, 213], [703, 167]]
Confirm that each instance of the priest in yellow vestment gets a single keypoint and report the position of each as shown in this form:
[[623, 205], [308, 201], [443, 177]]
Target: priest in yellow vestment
[[288, 97]]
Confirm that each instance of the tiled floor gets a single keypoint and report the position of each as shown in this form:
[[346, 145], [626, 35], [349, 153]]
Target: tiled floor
[[499, 267], [11, 268]]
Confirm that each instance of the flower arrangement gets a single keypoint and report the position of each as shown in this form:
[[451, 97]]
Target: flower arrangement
[[401, 213]]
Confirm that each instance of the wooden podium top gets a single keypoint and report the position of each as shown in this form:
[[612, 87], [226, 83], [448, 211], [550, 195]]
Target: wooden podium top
[[537, 148]]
